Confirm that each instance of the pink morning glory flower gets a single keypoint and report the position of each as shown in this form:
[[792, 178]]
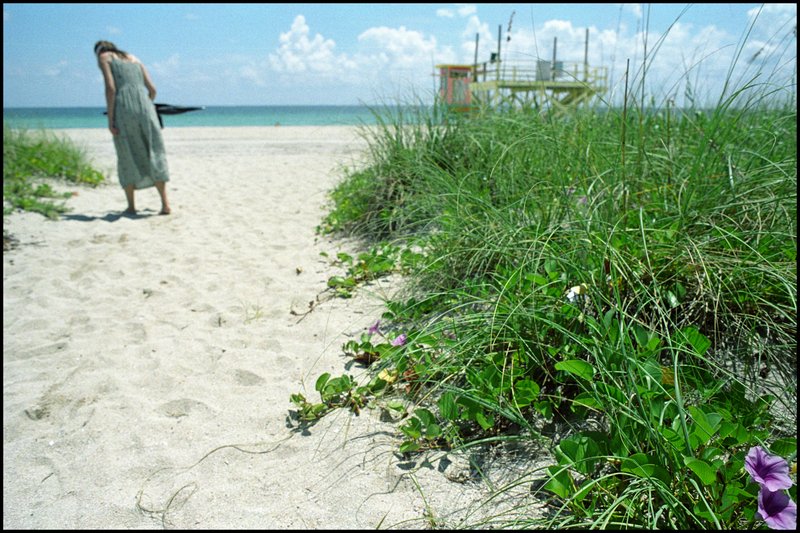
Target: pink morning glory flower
[[400, 340], [374, 328], [777, 509], [768, 470]]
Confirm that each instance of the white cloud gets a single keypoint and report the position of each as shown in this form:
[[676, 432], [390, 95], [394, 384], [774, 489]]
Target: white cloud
[[486, 40], [55, 70], [772, 26], [399, 46], [167, 68], [466, 10], [386, 60], [462, 10], [394, 61], [299, 52], [776, 13], [253, 74], [634, 9]]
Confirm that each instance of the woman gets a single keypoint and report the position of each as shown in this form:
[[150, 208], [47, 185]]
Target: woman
[[132, 119]]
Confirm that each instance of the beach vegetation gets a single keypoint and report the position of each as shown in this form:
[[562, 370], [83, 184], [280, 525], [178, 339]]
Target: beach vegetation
[[377, 262], [619, 283], [35, 164]]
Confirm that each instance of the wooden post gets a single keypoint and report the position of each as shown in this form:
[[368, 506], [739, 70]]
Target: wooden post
[[586, 57], [475, 70], [553, 66], [499, 36]]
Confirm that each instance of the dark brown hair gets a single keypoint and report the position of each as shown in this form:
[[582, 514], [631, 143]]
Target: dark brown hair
[[108, 46]]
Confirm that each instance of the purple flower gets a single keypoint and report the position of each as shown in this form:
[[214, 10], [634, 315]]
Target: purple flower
[[777, 509], [399, 340], [374, 328], [768, 470]]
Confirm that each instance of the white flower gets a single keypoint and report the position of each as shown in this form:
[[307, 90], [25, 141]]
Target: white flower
[[577, 291]]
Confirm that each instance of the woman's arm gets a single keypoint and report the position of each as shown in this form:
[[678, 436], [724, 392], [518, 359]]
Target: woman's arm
[[104, 62], [148, 82]]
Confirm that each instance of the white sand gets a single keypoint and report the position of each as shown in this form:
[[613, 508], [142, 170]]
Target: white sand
[[138, 351]]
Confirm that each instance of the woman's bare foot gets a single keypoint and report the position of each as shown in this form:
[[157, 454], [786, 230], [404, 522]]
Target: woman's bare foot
[[129, 211], [165, 211]]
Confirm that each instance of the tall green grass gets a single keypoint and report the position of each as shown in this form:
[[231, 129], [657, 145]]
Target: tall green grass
[[31, 160], [628, 275]]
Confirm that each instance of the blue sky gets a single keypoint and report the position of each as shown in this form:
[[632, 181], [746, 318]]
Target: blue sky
[[342, 54]]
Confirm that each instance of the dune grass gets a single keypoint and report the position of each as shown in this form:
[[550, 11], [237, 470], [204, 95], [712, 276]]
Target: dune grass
[[627, 275], [31, 161]]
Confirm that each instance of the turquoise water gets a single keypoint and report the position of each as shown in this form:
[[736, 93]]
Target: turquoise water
[[211, 116]]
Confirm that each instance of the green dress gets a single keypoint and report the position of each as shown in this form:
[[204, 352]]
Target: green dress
[[141, 157]]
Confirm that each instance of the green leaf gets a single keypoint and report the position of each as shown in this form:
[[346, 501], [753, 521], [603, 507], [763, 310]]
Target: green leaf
[[448, 407], [429, 426], [587, 400], [576, 367], [538, 279], [321, 381], [412, 428], [673, 437], [705, 472], [545, 408], [579, 451], [340, 282], [706, 425], [699, 342], [734, 433], [486, 421], [396, 406], [651, 369], [425, 416], [560, 482], [433, 431], [784, 447], [525, 392], [640, 334], [644, 466], [409, 446]]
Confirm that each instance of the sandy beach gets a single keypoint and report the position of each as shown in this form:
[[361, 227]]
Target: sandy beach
[[148, 361]]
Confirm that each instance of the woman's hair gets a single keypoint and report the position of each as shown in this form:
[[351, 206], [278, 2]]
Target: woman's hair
[[108, 46]]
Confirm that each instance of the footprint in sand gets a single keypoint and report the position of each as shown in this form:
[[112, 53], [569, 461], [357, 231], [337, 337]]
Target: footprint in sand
[[247, 378], [182, 407]]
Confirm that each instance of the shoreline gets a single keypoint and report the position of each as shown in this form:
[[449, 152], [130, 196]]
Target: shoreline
[[209, 116], [148, 361]]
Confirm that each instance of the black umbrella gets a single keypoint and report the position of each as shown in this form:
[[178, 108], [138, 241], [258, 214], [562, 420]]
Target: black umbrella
[[168, 109]]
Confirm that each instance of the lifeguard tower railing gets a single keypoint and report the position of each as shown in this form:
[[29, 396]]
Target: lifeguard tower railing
[[536, 84]]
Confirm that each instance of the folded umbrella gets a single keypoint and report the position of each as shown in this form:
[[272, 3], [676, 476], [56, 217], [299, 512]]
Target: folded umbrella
[[168, 109]]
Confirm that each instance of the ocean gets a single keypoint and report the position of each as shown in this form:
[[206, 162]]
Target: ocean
[[210, 116]]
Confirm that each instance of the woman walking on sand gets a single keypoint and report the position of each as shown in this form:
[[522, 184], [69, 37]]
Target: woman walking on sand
[[132, 119]]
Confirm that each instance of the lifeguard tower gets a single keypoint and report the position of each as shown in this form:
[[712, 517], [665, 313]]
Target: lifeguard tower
[[454, 88], [536, 84]]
